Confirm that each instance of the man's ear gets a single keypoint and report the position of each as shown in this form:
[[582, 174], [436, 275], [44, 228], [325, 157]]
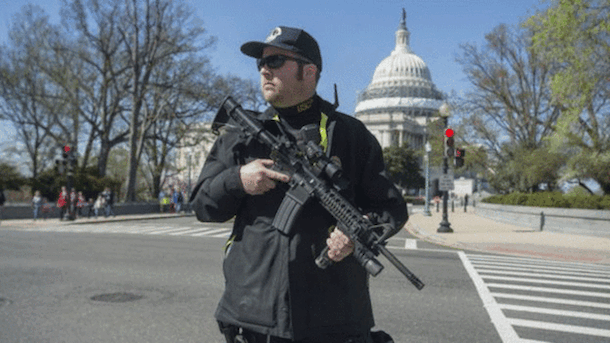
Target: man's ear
[[310, 70]]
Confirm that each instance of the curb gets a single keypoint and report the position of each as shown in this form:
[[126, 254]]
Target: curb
[[120, 218], [125, 219], [417, 231]]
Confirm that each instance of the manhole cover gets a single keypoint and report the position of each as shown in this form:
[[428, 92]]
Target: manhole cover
[[120, 297]]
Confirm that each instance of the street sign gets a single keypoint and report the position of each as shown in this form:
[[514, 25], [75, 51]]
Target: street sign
[[446, 182]]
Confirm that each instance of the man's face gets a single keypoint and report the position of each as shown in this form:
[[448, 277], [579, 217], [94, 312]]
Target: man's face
[[281, 87]]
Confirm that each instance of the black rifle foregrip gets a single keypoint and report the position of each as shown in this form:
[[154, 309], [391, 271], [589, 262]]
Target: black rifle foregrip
[[370, 263]]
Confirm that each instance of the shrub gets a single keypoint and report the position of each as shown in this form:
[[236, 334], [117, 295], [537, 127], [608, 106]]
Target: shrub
[[547, 199], [552, 199], [605, 202], [516, 198]]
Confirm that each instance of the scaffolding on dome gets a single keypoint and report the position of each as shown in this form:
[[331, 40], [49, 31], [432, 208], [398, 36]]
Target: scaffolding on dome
[[400, 92]]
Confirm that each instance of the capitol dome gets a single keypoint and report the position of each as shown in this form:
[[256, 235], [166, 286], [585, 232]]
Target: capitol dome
[[401, 97]]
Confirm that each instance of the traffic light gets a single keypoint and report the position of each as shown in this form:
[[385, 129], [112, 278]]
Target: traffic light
[[66, 153], [63, 164], [449, 143], [459, 157]]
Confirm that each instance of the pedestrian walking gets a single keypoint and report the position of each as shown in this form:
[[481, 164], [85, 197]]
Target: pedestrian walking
[[274, 292], [108, 202], [2, 201], [62, 202], [89, 206], [99, 205], [81, 202], [161, 201], [177, 200], [46, 208], [37, 204], [172, 204]]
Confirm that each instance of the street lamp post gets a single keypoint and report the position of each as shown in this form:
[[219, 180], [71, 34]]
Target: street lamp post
[[427, 200], [445, 226], [189, 189]]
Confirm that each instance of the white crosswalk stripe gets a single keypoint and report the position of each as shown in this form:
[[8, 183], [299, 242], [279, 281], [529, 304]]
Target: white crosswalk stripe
[[193, 231], [215, 231], [534, 300]]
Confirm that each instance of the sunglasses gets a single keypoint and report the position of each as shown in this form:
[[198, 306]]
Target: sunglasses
[[276, 61]]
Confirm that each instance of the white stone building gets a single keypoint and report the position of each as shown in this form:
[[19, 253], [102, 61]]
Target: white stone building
[[190, 159], [401, 97]]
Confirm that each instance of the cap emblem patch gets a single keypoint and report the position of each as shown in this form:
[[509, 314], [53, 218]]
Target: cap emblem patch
[[274, 33]]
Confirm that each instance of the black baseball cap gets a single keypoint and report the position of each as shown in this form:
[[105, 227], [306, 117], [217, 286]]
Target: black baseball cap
[[287, 38]]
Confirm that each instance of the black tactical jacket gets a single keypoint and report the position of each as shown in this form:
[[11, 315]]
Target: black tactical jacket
[[272, 283]]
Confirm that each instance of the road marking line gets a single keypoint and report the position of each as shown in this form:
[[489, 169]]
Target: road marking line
[[503, 326], [223, 235], [410, 244], [208, 233], [551, 300], [541, 275], [563, 313], [569, 271], [546, 282], [166, 231], [560, 327], [185, 231], [536, 262], [548, 290], [199, 230]]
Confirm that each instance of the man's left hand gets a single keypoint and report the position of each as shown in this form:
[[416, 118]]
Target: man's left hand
[[339, 246]]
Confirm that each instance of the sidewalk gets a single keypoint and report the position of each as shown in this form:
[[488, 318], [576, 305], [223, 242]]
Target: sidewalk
[[477, 233]]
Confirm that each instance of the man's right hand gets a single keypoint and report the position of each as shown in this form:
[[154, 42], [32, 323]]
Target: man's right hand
[[257, 178]]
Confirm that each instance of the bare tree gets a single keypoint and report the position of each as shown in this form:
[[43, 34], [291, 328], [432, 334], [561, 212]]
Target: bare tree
[[105, 79], [510, 108], [119, 74], [153, 34], [29, 98]]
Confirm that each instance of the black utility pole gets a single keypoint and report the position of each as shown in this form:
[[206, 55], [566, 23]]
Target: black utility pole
[[70, 161], [445, 226]]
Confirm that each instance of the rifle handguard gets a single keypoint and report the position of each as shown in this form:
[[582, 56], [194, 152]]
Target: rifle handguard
[[370, 264]]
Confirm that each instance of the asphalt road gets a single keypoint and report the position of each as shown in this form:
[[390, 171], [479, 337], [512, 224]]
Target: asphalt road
[[160, 281]]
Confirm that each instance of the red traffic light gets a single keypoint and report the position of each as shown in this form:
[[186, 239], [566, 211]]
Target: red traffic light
[[449, 133], [66, 148]]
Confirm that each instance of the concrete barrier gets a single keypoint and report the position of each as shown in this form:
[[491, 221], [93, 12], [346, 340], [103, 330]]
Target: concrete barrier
[[26, 212], [564, 220]]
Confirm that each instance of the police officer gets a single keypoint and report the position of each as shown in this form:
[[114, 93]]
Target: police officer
[[274, 292]]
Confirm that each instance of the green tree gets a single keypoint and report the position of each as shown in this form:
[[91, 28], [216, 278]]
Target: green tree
[[10, 178], [573, 34], [403, 168], [527, 169]]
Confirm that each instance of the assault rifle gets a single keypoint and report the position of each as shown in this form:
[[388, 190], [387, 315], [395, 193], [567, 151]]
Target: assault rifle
[[314, 176]]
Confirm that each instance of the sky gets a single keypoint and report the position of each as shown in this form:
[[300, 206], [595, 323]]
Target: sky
[[354, 36]]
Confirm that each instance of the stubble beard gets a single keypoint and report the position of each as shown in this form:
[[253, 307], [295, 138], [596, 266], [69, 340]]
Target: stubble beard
[[278, 97]]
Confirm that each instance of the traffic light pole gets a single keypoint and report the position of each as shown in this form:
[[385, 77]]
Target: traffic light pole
[[445, 226]]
